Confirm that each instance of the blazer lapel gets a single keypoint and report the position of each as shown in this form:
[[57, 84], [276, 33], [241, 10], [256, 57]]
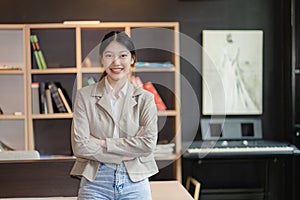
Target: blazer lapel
[[129, 101], [105, 103], [103, 98]]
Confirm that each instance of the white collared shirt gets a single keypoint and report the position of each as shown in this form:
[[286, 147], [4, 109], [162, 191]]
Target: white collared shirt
[[116, 104]]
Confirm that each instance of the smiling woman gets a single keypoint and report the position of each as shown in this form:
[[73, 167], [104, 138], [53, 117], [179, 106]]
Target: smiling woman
[[114, 130]]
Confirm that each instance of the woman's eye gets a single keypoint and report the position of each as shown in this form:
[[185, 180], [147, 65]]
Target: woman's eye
[[124, 55]]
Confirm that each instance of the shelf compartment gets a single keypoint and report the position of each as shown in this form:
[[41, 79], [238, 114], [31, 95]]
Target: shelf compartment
[[67, 82], [12, 47], [13, 88], [53, 142], [166, 129], [58, 46], [12, 132], [164, 83], [167, 168], [90, 41], [154, 44]]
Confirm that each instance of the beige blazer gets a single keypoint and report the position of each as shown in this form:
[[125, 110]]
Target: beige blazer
[[93, 117]]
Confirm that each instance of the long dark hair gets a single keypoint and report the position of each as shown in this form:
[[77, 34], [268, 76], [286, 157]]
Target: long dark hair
[[120, 37]]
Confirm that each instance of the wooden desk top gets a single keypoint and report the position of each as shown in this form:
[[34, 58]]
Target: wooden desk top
[[162, 190]]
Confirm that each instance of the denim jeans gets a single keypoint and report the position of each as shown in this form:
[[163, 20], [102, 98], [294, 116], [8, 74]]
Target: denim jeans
[[112, 183]]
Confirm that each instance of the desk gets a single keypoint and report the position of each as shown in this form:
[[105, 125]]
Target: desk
[[161, 190], [47, 178]]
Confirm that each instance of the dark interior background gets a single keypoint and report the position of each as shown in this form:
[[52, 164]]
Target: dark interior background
[[271, 16]]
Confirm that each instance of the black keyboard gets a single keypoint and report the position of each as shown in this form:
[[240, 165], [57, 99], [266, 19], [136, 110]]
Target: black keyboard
[[240, 147]]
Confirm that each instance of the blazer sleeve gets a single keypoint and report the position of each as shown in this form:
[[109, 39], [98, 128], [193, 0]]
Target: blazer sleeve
[[82, 145], [144, 144]]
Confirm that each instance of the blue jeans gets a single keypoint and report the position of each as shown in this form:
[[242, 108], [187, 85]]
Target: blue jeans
[[112, 183]]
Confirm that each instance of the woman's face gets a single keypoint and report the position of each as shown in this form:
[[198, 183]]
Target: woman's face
[[116, 60]]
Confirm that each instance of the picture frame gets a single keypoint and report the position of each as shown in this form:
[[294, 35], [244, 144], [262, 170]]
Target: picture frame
[[232, 80]]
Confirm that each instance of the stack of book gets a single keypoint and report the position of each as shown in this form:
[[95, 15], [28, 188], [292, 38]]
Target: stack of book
[[164, 150], [153, 65], [48, 98]]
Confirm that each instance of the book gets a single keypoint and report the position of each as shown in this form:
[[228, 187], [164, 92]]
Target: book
[[91, 80], [35, 102], [136, 81], [40, 59], [43, 101], [49, 101], [64, 100], [158, 100], [56, 98], [35, 53]]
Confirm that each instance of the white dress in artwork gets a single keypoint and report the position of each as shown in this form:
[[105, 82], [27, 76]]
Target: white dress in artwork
[[237, 98]]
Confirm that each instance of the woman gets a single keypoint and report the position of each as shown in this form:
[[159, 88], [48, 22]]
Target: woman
[[114, 130]]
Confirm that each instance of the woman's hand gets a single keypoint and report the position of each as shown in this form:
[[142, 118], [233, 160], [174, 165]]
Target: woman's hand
[[102, 143], [139, 133]]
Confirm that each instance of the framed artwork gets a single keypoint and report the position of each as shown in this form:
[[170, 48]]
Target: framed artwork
[[232, 72]]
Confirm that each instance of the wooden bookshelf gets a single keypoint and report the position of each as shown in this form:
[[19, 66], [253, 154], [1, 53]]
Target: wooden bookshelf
[[65, 48]]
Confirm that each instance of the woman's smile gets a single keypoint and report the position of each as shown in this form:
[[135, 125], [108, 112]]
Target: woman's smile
[[116, 70]]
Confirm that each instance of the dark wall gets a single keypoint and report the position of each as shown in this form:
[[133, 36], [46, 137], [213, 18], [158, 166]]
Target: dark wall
[[271, 16]]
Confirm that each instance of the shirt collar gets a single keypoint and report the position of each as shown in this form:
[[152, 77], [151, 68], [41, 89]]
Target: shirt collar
[[110, 89]]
